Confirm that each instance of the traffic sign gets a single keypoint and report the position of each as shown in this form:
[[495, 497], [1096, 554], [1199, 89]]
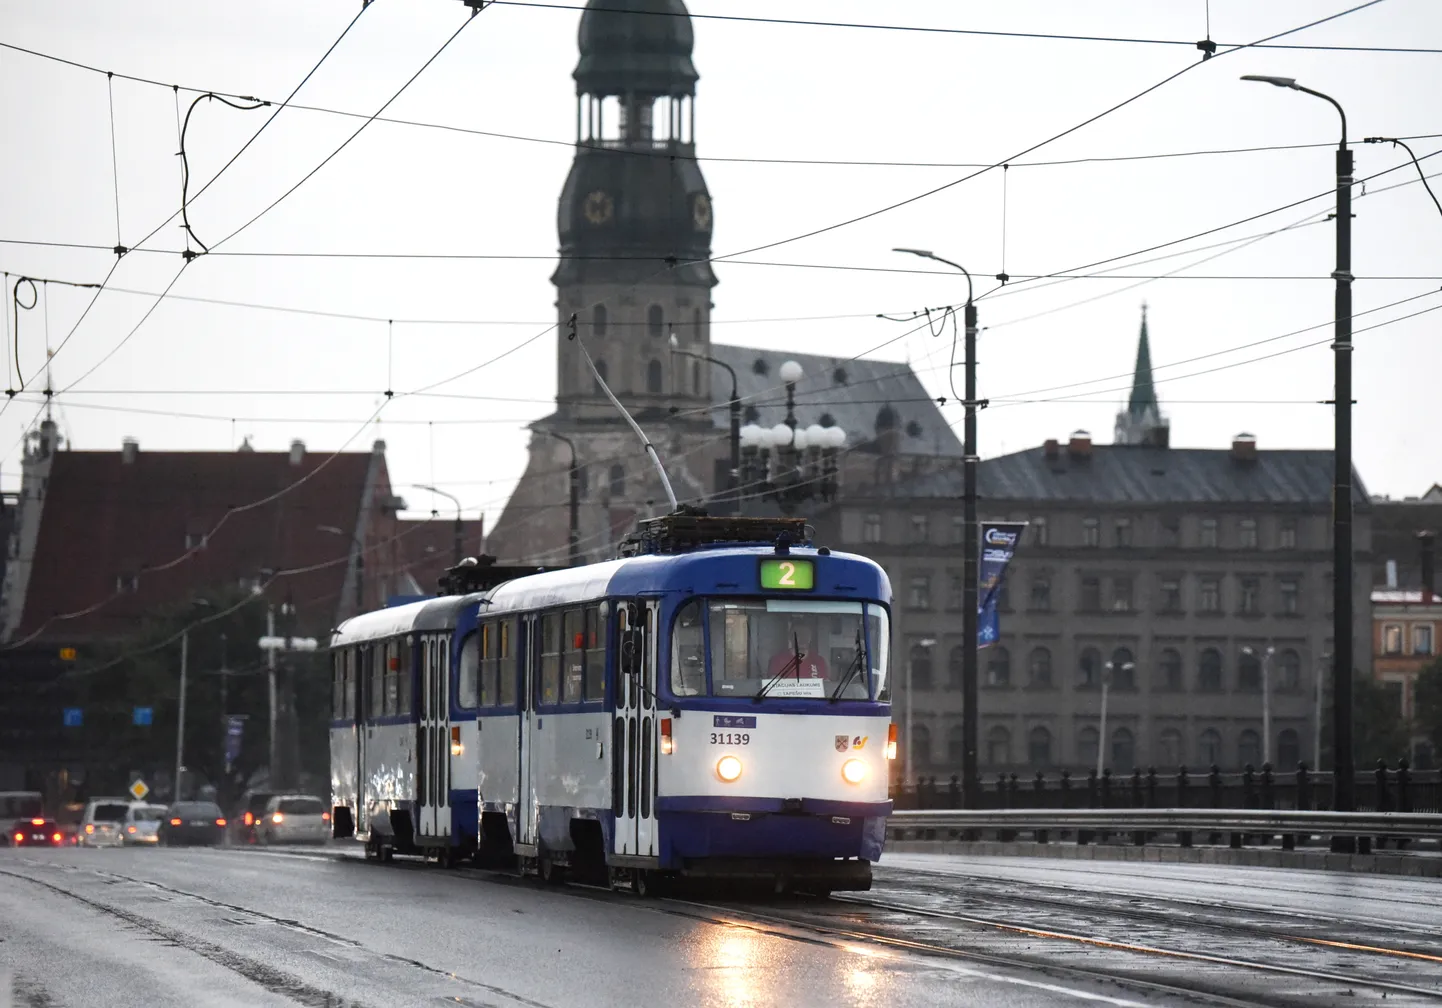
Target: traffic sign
[[139, 789], [143, 715], [74, 717]]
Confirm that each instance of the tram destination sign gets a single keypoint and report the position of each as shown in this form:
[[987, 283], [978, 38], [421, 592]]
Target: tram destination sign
[[788, 575]]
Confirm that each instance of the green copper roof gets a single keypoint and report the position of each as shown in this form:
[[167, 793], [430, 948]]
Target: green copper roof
[[1144, 395]]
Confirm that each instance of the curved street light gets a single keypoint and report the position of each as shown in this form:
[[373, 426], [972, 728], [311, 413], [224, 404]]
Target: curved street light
[[459, 548], [735, 407]]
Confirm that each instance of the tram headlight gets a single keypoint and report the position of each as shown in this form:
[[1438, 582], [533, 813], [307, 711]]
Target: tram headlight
[[728, 768], [853, 771]]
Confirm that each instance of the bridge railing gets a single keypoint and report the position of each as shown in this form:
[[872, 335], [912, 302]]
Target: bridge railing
[[1383, 789]]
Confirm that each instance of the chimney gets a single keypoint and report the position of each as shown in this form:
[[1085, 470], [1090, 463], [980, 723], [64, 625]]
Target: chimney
[[1427, 543], [1244, 447], [129, 448], [1052, 448], [1080, 445], [297, 452]]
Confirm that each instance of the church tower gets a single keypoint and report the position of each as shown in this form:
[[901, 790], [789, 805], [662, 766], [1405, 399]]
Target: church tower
[[634, 218], [1142, 423]]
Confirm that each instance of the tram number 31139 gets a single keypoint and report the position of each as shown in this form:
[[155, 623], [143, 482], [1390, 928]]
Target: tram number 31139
[[730, 738]]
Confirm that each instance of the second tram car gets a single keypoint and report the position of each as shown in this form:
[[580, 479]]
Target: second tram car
[[712, 705]]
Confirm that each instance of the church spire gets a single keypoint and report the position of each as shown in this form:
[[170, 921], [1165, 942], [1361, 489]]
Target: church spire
[[1142, 422]]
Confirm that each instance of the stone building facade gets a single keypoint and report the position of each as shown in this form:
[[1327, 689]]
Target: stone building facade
[[1189, 576]]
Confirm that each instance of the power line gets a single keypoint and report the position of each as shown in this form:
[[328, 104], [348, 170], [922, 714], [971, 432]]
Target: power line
[[932, 30]]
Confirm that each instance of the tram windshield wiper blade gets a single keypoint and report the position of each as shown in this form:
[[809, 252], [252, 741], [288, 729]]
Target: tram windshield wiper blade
[[794, 663], [852, 670]]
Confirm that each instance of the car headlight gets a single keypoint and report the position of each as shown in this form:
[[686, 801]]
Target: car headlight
[[728, 768], [853, 771]]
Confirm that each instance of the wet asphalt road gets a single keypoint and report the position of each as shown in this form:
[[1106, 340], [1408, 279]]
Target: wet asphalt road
[[284, 927]]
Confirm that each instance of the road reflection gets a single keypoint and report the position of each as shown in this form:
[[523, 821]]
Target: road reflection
[[740, 968]]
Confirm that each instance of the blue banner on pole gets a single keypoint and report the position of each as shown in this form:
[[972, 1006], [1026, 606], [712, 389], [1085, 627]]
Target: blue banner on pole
[[143, 716], [73, 717], [998, 545], [234, 731]]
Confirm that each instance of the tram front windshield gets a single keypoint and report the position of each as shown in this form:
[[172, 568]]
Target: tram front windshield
[[779, 648]]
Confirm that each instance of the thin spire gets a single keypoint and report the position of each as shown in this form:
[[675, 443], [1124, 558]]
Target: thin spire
[[1144, 394]]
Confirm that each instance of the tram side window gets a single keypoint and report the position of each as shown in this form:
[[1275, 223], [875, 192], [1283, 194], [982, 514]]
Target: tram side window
[[596, 652], [468, 681], [390, 665], [688, 652], [550, 658], [376, 675], [352, 658], [337, 685], [505, 665], [573, 654], [405, 648]]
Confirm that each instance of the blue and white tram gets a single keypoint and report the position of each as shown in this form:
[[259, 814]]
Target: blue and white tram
[[402, 737], [698, 709]]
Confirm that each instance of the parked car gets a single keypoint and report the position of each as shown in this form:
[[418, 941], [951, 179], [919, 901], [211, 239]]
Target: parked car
[[142, 825], [17, 809], [102, 824], [36, 832], [246, 820], [295, 819], [192, 822]]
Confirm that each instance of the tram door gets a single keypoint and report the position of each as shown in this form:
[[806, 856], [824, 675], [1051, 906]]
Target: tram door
[[433, 742], [362, 656], [633, 740], [526, 808]]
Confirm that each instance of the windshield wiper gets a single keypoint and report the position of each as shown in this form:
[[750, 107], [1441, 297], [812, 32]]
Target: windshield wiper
[[852, 669], [794, 663]]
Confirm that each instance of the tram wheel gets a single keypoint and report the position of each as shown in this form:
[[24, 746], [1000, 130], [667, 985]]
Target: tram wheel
[[649, 884], [551, 872]]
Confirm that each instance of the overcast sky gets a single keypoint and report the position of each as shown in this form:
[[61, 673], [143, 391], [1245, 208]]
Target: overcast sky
[[767, 91]]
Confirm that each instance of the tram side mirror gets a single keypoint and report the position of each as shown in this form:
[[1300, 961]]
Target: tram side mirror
[[631, 652]]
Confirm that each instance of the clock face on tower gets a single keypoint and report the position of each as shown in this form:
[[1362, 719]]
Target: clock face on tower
[[598, 207], [701, 212]]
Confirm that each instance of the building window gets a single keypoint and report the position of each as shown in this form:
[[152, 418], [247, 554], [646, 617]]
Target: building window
[[919, 596], [1038, 531], [955, 746], [1422, 639], [871, 528], [920, 747], [1091, 532], [618, 481], [1291, 592], [656, 321], [1249, 749], [598, 320], [956, 667], [1038, 747], [1124, 532], [1249, 671], [998, 747], [1086, 746], [1124, 750], [1289, 671], [1392, 639], [1211, 595], [1250, 602], [958, 530], [1039, 668], [1122, 594], [1169, 670], [1169, 748], [1209, 747], [1091, 593], [1089, 669], [919, 528], [1171, 532], [1123, 670], [1289, 750], [1170, 595], [653, 377], [998, 666], [1040, 598], [1209, 671], [1287, 535], [1209, 533], [1247, 533], [921, 666], [954, 589]]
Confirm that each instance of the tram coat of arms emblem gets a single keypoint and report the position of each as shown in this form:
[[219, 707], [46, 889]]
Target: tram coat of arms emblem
[[843, 743]]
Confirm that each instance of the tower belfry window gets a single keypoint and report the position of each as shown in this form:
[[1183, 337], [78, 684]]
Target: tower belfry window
[[656, 321], [653, 377]]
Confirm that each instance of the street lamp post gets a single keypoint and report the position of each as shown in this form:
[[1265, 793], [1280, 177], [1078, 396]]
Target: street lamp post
[[790, 463], [1342, 761], [1107, 668], [180, 712], [271, 644], [734, 482], [1266, 657], [573, 536], [970, 546], [459, 546]]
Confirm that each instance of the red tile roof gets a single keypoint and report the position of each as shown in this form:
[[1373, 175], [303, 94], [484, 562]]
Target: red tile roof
[[105, 521], [427, 548]]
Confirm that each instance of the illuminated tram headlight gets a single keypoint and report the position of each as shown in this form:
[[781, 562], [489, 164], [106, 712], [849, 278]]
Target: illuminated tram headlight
[[728, 768], [853, 771]]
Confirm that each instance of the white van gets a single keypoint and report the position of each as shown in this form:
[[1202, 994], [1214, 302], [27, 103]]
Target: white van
[[142, 825], [102, 824]]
